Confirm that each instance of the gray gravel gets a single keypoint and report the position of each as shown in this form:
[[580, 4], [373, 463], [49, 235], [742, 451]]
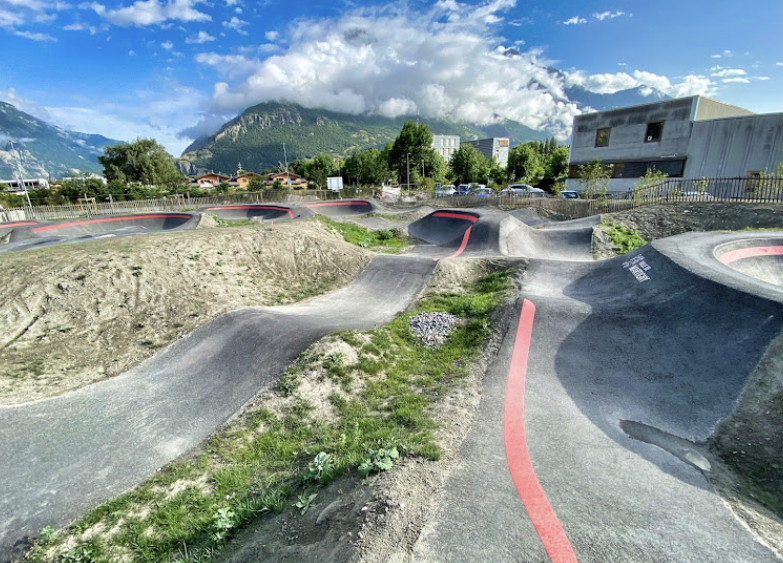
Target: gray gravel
[[433, 328]]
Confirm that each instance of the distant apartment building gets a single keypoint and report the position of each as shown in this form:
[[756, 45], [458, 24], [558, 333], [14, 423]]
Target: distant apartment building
[[27, 183], [494, 148], [689, 137], [445, 145]]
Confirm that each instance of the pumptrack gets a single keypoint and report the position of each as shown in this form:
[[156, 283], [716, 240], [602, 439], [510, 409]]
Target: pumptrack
[[553, 469]]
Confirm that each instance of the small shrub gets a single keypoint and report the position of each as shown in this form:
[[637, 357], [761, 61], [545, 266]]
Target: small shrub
[[378, 460]]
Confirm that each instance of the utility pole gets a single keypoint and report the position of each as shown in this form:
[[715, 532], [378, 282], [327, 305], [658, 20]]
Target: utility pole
[[287, 175], [408, 160]]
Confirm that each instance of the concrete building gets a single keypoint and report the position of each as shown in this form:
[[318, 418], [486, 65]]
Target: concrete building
[[30, 183], [690, 137], [493, 148], [445, 145]]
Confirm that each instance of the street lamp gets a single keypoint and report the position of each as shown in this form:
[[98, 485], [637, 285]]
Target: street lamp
[[408, 161]]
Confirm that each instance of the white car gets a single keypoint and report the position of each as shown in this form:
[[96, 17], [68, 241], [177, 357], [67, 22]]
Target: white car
[[569, 194], [523, 189]]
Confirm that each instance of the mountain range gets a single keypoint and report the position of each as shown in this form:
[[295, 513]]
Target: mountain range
[[35, 149], [256, 138]]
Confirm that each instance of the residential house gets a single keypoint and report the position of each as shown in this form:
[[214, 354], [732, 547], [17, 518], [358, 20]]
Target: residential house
[[287, 178]]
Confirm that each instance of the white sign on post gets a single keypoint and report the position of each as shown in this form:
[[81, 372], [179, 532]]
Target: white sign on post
[[334, 183]]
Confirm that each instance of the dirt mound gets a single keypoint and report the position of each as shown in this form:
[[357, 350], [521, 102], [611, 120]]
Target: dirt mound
[[659, 221], [75, 314]]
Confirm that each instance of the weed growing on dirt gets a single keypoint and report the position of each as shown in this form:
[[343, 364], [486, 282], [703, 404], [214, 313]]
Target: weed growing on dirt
[[234, 222], [269, 460], [623, 239], [384, 240]]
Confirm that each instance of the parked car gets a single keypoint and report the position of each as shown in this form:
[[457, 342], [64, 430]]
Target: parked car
[[462, 189], [523, 189], [445, 191], [483, 192], [569, 194], [697, 195]]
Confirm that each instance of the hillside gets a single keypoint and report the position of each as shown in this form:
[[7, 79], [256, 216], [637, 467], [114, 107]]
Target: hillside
[[43, 149], [255, 138]]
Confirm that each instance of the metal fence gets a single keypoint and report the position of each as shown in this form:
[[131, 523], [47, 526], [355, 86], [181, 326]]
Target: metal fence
[[753, 189]]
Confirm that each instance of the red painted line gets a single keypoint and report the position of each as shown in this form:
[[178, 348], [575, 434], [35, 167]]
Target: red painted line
[[752, 252], [20, 224], [328, 203], [541, 514], [451, 215], [107, 220], [276, 207], [462, 246]]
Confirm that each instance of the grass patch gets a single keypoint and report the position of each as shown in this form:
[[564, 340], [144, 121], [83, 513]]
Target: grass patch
[[384, 240], [623, 239], [268, 460], [235, 222]]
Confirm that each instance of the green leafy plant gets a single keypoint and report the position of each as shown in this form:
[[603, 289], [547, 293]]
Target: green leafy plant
[[623, 239], [319, 467], [305, 502], [378, 460], [222, 523]]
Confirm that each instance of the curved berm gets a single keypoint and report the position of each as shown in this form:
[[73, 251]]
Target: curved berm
[[758, 258], [125, 224], [341, 208], [261, 211]]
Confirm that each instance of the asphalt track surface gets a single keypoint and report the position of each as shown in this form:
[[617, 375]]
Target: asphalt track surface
[[664, 337]]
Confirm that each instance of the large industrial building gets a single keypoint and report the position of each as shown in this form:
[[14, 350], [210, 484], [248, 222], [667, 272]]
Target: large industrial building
[[690, 137]]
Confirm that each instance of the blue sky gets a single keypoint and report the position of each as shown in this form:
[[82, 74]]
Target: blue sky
[[176, 69]]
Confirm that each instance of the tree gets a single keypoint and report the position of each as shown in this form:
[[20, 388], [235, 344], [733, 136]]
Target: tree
[[594, 178], [256, 184], [414, 140], [466, 164], [142, 162], [525, 162], [556, 167]]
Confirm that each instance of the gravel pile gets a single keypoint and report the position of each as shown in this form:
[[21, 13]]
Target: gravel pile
[[433, 328]]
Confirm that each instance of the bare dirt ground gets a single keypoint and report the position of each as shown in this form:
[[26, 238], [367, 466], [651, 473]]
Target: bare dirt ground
[[74, 314]]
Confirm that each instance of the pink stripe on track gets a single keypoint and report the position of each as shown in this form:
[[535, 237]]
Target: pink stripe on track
[[541, 514], [752, 252], [107, 220], [462, 246]]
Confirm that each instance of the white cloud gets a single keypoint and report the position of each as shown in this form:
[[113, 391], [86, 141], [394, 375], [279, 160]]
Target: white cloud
[[736, 80], [778, 64], [150, 12], [168, 45], [726, 53], [576, 20], [12, 97], [158, 115], [609, 83], [271, 35], [84, 27], [608, 15], [200, 37], [720, 72], [34, 36], [236, 24], [762, 78], [442, 63]]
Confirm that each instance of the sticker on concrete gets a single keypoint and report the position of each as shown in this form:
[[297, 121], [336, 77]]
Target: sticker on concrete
[[638, 266]]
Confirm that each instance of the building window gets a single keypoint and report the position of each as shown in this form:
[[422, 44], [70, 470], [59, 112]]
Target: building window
[[654, 132], [602, 137]]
